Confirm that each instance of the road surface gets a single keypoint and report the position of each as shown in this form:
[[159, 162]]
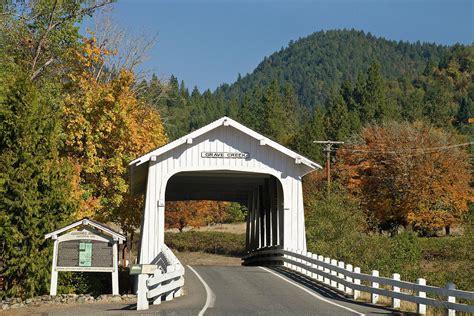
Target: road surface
[[237, 290]]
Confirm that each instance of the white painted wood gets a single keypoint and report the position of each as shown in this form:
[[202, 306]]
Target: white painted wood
[[356, 282], [374, 296], [396, 301], [142, 300], [314, 275], [320, 268], [341, 275], [115, 274], [421, 308], [290, 260], [349, 279], [54, 272], [327, 271], [451, 299], [85, 222], [334, 273]]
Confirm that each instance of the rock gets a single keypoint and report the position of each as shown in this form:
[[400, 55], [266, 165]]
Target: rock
[[5, 306], [28, 301], [116, 298]]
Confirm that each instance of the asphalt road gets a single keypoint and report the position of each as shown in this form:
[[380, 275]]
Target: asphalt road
[[237, 290]]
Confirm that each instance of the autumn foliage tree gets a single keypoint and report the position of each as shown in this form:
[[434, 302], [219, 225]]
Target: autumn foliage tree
[[408, 174], [106, 127], [181, 214]]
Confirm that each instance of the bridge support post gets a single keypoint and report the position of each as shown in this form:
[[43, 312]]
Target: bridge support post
[[396, 301], [421, 308]]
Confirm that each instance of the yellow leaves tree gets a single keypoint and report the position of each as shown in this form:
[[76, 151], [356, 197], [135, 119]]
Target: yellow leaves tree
[[408, 174], [106, 126]]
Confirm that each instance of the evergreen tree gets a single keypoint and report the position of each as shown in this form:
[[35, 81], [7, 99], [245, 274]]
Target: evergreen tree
[[313, 130], [339, 124], [274, 113], [35, 183], [232, 110], [251, 111]]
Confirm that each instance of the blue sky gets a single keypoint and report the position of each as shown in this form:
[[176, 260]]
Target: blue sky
[[209, 42]]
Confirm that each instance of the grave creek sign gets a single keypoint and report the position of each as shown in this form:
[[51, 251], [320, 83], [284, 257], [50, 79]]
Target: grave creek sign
[[228, 155], [92, 247]]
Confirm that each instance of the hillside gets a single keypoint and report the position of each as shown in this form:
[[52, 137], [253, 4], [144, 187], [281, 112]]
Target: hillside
[[320, 63]]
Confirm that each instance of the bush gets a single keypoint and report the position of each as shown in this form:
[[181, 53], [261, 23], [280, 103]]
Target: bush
[[94, 283], [210, 242], [336, 227]]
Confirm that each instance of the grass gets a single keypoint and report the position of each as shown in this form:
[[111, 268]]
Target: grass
[[207, 241]]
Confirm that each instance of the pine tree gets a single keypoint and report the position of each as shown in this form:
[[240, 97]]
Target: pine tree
[[313, 130], [339, 125], [274, 114]]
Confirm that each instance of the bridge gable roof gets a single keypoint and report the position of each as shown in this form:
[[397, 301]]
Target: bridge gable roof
[[225, 121]]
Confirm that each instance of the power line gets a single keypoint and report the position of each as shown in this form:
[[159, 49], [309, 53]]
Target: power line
[[409, 150]]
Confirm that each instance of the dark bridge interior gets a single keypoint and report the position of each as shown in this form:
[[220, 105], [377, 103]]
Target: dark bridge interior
[[213, 185]]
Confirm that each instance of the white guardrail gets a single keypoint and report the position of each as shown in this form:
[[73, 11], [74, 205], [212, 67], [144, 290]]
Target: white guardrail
[[164, 284], [347, 279]]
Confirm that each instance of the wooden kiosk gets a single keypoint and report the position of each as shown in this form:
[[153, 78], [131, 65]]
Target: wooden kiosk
[[85, 246]]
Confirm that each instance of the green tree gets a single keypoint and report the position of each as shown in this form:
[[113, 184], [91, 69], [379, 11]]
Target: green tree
[[274, 114], [338, 119], [312, 130], [35, 183]]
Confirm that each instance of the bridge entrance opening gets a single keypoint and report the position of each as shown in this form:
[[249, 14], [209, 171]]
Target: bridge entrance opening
[[260, 193]]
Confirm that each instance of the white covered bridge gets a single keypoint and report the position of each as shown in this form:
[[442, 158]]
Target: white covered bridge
[[229, 162]]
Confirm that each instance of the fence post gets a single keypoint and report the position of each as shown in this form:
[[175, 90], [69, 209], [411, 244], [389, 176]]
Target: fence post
[[309, 255], [320, 268], [349, 279], [341, 275], [396, 289], [315, 275], [334, 273], [451, 299], [374, 296], [142, 300], [357, 282], [327, 271], [421, 308], [289, 265], [298, 268]]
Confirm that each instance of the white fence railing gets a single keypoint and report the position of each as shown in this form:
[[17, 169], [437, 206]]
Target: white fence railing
[[348, 280], [165, 284]]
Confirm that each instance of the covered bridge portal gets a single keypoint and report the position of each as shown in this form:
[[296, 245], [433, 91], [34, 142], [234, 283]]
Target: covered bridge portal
[[225, 161]]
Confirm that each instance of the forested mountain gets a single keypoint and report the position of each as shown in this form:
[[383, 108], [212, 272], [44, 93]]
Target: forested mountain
[[318, 64], [330, 85]]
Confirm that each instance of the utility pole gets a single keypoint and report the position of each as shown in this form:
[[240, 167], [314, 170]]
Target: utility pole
[[327, 149]]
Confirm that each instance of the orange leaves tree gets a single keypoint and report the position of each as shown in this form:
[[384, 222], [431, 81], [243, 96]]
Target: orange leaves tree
[[408, 174], [106, 126], [181, 214]]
